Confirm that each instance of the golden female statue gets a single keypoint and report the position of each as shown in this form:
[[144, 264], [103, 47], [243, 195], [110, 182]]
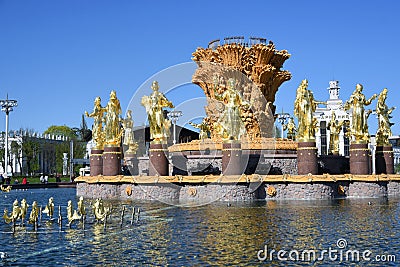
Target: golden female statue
[[113, 129], [155, 104], [359, 125], [97, 128], [334, 127], [384, 123], [128, 133], [231, 120], [304, 107]]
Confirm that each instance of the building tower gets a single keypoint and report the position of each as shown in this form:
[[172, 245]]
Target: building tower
[[324, 115]]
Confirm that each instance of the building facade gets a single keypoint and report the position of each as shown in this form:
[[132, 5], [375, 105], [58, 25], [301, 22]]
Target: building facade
[[324, 115], [43, 154]]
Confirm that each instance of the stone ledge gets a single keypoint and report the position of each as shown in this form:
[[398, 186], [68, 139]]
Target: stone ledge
[[287, 178]]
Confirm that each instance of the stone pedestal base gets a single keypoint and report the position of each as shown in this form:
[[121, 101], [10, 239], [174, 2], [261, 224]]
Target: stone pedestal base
[[96, 162], [112, 161], [359, 159], [158, 154], [232, 158], [384, 161], [334, 164], [130, 164], [307, 158]]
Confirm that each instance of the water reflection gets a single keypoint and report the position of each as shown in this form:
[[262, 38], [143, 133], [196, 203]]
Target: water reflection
[[199, 236]]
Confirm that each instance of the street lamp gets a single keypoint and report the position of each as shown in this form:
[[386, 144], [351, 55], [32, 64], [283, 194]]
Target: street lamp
[[174, 116], [282, 117], [7, 106]]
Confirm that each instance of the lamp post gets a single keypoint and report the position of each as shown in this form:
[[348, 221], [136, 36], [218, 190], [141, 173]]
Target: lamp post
[[174, 116], [7, 106], [282, 117]]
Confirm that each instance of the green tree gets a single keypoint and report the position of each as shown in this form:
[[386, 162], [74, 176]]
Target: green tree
[[61, 130], [64, 146], [397, 168], [30, 151], [84, 134]]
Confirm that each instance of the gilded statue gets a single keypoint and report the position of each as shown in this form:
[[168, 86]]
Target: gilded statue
[[290, 127], [304, 108], [231, 122], [24, 210], [49, 209], [15, 214], [155, 104], [335, 127], [203, 127], [97, 128], [359, 125], [383, 112], [112, 121], [5, 188], [72, 214], [33, 216], [100, 212], [129, 141], [81, 207]]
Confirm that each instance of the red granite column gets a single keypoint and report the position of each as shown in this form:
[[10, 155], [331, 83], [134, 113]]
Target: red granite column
[[158, 164], [112, 160], [232, 158], [359, 159], [389, 159], [307, 158], [96, 162], [384, 161]]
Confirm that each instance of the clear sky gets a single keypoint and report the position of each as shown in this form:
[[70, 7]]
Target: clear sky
[[57, 56]]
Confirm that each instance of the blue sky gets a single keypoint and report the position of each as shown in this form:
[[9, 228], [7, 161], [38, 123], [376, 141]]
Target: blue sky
[[57, 56]]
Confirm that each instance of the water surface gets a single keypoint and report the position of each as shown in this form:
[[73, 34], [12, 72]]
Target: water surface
[[214, 235]]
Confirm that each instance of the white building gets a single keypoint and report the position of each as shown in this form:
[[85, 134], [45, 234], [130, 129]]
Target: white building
[[395, 141], [45, 154], [324, 115]]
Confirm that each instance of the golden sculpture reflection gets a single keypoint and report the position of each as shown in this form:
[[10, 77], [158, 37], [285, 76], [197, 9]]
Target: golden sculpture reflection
[[359, 125], [97, 129], [384, 124], [304, 107], [155, 104]]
